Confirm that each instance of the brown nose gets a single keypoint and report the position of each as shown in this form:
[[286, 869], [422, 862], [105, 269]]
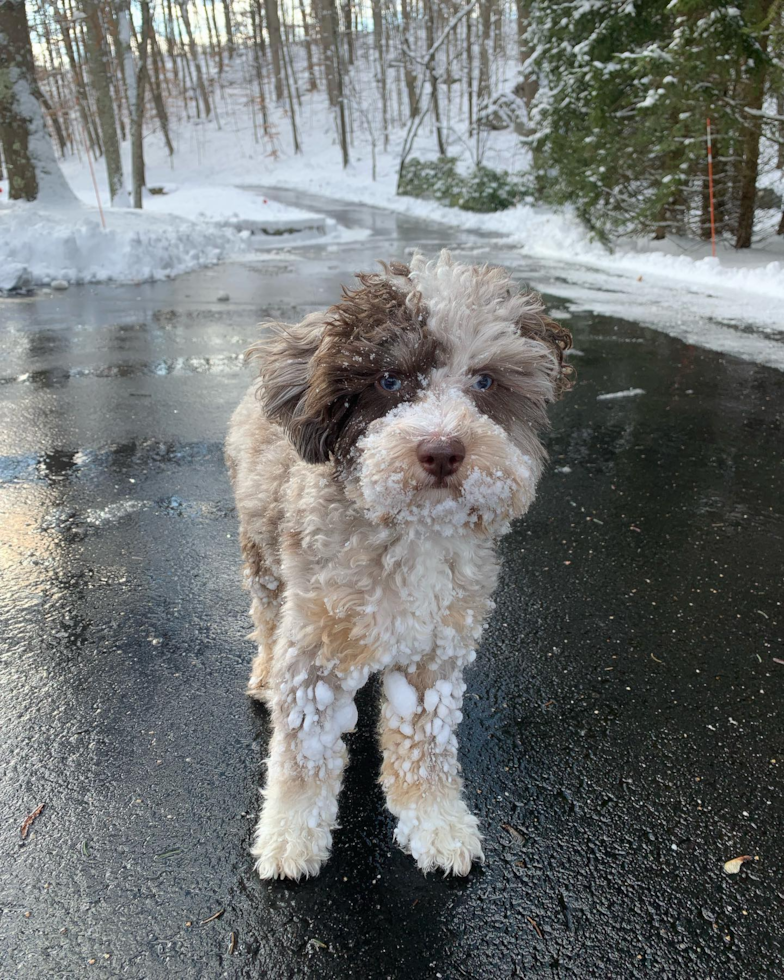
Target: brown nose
[[441, 457]]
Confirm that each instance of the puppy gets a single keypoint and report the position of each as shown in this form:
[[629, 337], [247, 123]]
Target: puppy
[[383, 450]]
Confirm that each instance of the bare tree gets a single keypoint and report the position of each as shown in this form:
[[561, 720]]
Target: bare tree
[[312, 84], [339, 87], [33, 172], [136, 82], [229, 27], [486, 27], [431, 70], [99, 75], [378, 38], [157, 92], [348, 31], [82, 98], [408, 68], [276, 47], [205, 98], [323, 14], [416, 121]]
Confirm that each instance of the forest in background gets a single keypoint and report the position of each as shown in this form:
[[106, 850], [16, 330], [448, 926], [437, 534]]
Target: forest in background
[[610, 98]]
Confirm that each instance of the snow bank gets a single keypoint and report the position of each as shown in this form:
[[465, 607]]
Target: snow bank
[[179, 230], [233, 207], [542, 232], [38, 245]]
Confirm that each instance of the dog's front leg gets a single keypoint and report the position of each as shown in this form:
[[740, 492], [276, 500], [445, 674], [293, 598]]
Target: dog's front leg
[[311, 709], [420, 772]]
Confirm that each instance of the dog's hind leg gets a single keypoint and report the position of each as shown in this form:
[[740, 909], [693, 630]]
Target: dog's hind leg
[[265, 589], [420, 773]]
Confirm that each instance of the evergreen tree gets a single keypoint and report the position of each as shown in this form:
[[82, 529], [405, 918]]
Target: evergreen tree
[[621, 118]]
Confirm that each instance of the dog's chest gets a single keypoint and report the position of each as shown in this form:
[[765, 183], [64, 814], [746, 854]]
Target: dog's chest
[[431, 600]]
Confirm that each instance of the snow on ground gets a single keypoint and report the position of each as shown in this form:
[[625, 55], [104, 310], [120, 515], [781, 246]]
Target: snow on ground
[[40, 245], [234, 207], [180, 229], [747, 279], [204, 217], [661, 280]]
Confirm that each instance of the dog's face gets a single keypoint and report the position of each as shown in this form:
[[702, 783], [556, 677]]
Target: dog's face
[[427, 386]]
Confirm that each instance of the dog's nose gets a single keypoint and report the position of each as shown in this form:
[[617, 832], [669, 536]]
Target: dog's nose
[[441, 457]]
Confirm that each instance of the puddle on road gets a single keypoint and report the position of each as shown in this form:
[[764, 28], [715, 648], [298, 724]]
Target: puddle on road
[[58, 376], [137, 457], [75, 524]]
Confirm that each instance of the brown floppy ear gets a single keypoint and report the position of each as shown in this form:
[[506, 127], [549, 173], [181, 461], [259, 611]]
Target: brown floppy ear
[[536, 325], [285, 368]]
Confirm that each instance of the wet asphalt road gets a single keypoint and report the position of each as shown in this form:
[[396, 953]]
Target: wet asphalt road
[[622, 735]]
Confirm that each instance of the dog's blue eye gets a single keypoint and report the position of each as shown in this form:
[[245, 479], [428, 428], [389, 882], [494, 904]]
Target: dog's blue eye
[[483, 382], [390, 383]]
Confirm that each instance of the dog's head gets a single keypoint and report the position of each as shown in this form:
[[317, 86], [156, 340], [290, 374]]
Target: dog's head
[[427, 386]]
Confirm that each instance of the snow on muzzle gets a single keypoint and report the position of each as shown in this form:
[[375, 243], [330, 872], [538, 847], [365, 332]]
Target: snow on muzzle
[[492, 484]]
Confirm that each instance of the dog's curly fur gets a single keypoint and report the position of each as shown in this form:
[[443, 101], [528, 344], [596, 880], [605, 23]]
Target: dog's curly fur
[[359, 559]]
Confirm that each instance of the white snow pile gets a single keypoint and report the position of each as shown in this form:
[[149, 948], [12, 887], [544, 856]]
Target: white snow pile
[[235, 208], [178, 230], [39, 245]]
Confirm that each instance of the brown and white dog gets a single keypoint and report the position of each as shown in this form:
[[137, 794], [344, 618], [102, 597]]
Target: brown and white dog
[[385, 447]]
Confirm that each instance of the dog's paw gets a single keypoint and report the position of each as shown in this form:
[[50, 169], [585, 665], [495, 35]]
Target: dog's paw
[[441, 836], [259, 677], [289, 848]]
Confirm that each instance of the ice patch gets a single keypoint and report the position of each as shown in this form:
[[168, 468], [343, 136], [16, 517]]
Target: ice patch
[[627, 393]]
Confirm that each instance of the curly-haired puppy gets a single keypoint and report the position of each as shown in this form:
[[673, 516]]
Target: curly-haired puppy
[[382, 452]]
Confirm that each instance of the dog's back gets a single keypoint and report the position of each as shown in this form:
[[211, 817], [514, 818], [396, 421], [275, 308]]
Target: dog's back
[[259, 456]]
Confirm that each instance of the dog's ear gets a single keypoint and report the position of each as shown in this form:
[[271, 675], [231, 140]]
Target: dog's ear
[[534, 324], [285, 366]]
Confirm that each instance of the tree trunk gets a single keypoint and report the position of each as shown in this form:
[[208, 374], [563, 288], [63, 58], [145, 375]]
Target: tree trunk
[[105, 106], [331, 25], [378, 38], [210, 38], [33, 172], [323, 9], [747, 198], [116, 66], [137, 106], [348, 31], [410, 74], [157, 92], [530, 84], [229, 28], [218, 45], [312, 85], [486, 27], [255, 11], [82, 98], [195, 57], [287, 76], [276, 45], [430, 40], [470, 73]]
